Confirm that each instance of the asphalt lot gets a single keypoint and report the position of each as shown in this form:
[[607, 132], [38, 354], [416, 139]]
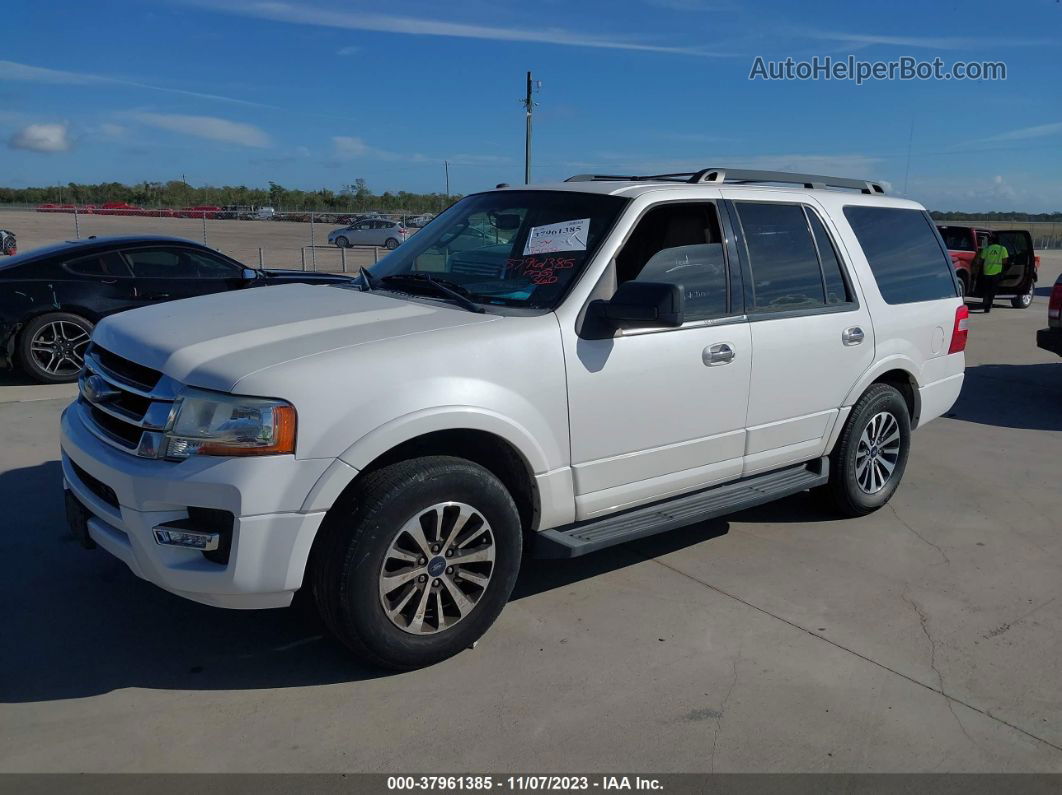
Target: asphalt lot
[[925, 637]]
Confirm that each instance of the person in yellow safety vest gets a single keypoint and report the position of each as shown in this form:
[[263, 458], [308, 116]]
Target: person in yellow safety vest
[[994, 259]]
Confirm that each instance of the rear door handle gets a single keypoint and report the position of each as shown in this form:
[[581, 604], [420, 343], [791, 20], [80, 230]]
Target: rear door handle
[[723, 353], [852, 336]]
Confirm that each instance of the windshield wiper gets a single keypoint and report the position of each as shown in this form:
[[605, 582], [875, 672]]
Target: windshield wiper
[[451, 290], [368, 279]]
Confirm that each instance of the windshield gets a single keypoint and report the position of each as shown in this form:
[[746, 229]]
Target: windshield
[[511, 248]]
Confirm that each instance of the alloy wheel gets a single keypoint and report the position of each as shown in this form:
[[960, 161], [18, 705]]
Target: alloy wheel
[[437, 568], [878, 452], [58, 348]]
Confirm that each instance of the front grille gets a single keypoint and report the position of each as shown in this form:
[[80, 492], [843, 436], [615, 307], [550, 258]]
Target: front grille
[[124, 403], [97, 487], [135, 374]]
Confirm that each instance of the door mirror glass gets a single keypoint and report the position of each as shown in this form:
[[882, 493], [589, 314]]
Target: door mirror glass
[[636, 305]]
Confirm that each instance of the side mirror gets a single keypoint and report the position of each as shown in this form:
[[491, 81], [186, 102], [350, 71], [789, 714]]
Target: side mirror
[[636, 305], [249, 274]]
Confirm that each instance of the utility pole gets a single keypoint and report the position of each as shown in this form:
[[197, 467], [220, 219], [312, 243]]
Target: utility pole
[[528, 105], [446, 166]]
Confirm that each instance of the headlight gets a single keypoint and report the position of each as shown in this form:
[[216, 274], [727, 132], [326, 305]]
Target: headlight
[[210, 423]]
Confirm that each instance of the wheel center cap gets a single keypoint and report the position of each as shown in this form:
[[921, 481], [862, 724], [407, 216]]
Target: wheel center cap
[[436, 566], [874, 451]]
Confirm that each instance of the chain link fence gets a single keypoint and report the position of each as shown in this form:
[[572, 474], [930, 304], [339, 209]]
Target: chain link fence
[[259, 237]]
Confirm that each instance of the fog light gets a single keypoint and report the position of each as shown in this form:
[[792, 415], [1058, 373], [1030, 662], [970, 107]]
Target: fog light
[[173, 535]]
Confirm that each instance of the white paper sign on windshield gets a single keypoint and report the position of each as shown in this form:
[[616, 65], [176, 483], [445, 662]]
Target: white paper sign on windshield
[[565, 236]]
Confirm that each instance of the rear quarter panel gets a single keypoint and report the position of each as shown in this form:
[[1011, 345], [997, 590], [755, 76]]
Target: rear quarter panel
[[913, 337]]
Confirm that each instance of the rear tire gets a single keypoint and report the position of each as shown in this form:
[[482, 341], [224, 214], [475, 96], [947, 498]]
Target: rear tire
[[51, 348], [869, 460], [391, 244], [1024, 301], [381, 575]]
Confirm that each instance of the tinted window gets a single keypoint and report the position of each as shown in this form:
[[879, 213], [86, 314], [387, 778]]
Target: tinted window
[[904, 253], [957, 238], [210, 267], [679, 244], [832, 271], [105, 264], [785, 266], [161, 263]]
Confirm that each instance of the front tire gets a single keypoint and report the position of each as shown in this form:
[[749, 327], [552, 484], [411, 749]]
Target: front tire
[[342, 242], [869, 460], [52, 347], [418, 562]]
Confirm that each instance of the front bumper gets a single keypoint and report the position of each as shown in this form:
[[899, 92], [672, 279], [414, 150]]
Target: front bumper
[[271, 538], [1050, 339]]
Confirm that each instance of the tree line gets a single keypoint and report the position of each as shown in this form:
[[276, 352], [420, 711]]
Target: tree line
[[355, 197], [953, 215]]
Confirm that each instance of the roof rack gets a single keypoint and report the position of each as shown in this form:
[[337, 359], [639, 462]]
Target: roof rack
[[742, 176]]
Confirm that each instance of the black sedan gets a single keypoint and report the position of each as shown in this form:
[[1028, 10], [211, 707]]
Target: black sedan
[[51, 298]]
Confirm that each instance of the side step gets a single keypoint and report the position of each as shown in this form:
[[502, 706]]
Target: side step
[[582, 537]]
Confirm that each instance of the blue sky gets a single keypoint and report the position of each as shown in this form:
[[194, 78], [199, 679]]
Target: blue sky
[[319, 93]]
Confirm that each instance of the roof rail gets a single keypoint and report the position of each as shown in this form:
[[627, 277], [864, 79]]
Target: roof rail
[[744, 176]]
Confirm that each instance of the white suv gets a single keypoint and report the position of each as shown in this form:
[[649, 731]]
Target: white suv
[[542, 370]]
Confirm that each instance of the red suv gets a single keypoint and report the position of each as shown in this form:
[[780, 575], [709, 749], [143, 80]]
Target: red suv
[[1019, 280], [1050, 338]]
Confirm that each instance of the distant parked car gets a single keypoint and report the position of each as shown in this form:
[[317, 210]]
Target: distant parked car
[[51, 298], [1019, 281], [1050, 338], [370, 232], [8, 246], [419, 221]]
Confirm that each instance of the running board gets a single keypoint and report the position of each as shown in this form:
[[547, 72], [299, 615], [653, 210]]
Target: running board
[[582, 537]]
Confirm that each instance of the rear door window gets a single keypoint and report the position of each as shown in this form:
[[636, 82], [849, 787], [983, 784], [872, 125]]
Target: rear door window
[[782, 257], [161, 263], [837, 291], [904, 253], [106, 265]]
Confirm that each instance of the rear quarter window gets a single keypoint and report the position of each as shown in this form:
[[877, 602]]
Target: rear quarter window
[[904, 253]]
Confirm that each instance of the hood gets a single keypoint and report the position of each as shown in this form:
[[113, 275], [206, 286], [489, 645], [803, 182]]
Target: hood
[[215, 340]]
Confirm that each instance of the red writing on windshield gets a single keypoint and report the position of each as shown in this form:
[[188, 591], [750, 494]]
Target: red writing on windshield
[[540, 270]]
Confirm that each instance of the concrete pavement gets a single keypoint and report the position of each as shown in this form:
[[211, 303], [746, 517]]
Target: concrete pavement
[[925, 637]]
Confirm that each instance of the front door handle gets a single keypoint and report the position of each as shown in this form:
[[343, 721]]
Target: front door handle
[[723, 353], [852, 336]]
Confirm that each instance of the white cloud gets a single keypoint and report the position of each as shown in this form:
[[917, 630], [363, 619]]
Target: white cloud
[[1038, 131], [349, 50], [301, 14], [349, 146], [932, 42], [208, 127], [111, 130], [25, 73], [42, 138]]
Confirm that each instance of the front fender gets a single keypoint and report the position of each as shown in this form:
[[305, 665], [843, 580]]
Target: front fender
[[445, 418], [410, 426]]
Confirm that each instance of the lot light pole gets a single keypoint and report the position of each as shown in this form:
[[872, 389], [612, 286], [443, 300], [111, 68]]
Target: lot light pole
[[532, 86]]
